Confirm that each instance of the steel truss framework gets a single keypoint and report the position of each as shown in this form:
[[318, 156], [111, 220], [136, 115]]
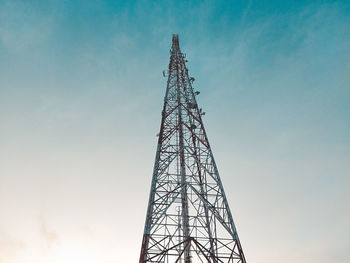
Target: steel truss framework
[[188, 217]]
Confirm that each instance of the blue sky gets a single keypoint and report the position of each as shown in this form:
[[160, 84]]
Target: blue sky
[[81, 91]]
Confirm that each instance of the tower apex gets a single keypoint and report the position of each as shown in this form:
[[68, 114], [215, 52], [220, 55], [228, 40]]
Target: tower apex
[[175, 41]]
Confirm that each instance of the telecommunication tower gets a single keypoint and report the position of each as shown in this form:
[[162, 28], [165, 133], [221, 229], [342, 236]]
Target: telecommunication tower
[[188, 218]]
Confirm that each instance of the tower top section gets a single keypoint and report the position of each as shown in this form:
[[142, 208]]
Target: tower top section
[[175, 42]]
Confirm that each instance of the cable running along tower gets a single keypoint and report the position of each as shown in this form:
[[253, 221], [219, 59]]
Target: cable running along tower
[[188, 218]]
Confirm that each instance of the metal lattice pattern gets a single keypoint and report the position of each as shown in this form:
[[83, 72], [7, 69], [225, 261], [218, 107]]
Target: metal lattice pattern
[[188, 218]]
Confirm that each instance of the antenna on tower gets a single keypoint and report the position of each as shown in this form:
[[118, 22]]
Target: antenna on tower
[[175, 42]]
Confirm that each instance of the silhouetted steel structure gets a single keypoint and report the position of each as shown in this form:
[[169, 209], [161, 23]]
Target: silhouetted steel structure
[[188, 217]]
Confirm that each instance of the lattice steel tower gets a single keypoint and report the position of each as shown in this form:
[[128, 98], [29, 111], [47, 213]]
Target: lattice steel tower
[[188, 218]]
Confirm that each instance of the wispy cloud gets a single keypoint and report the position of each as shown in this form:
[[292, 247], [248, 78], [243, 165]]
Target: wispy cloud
[[49, 237], [23, 27], [10, 247]]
